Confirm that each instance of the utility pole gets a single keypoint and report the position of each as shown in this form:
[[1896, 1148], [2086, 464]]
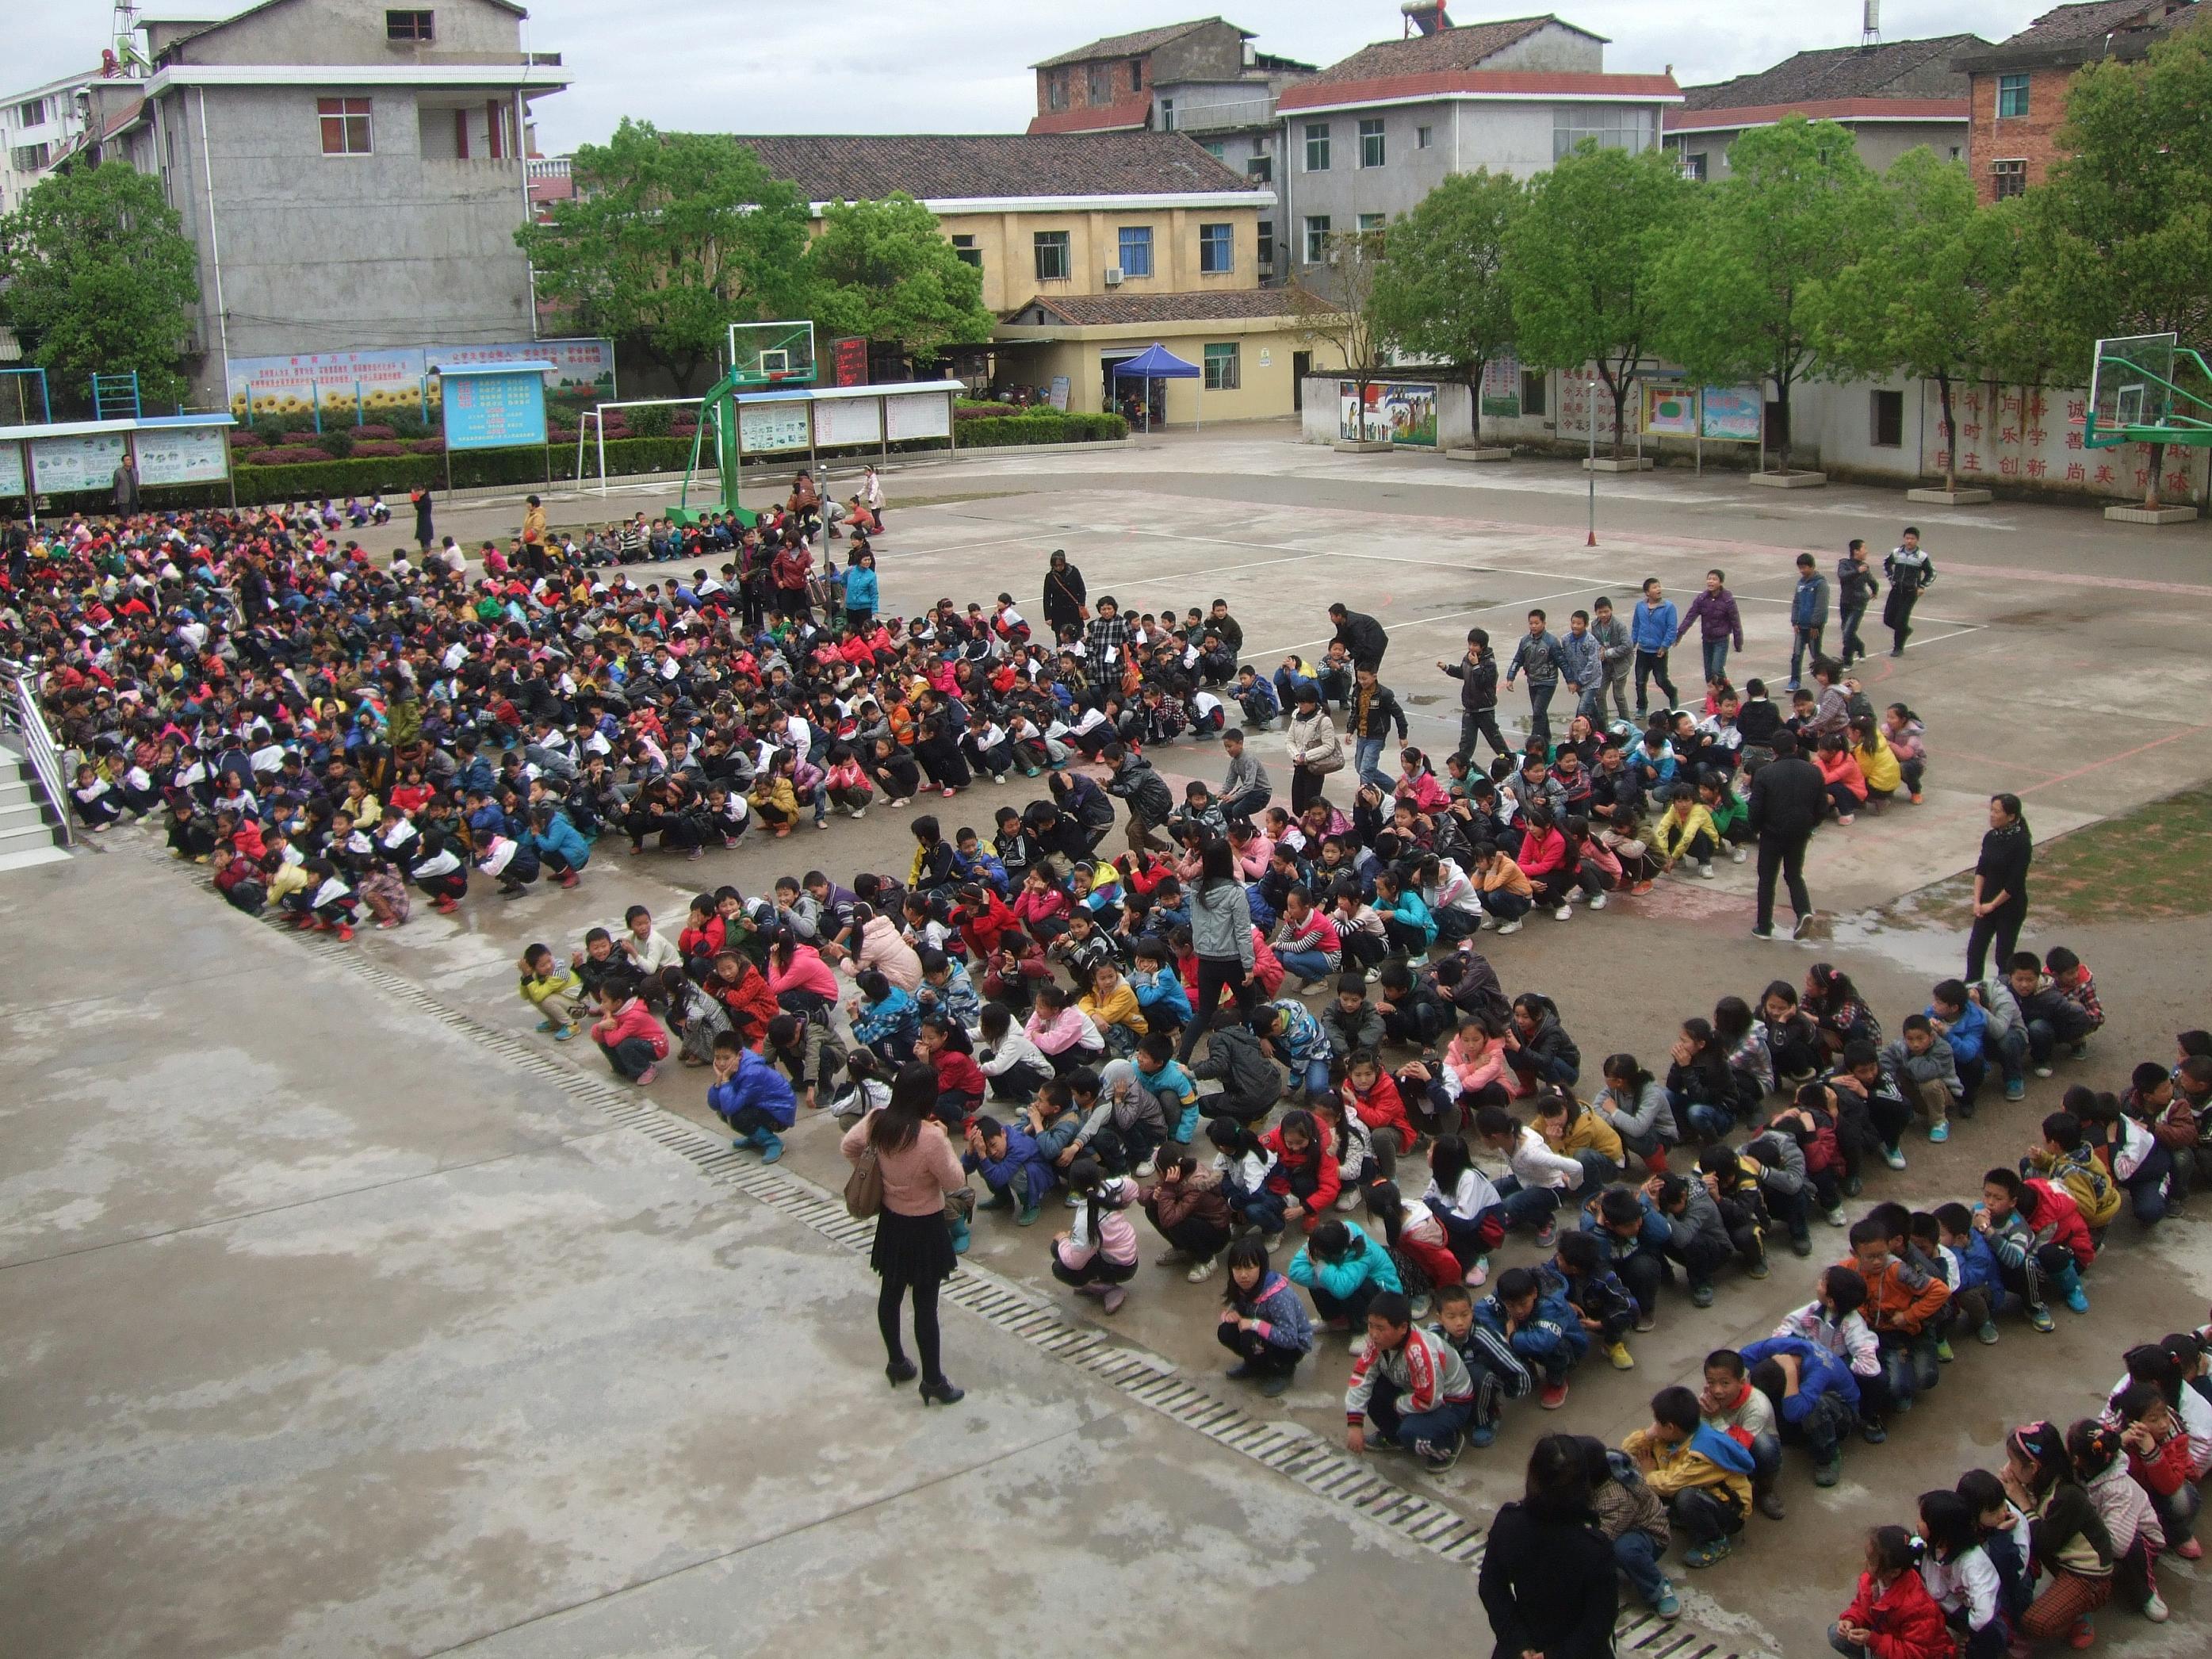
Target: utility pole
[[1593, 462]]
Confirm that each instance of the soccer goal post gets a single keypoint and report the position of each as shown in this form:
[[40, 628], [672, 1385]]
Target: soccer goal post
[[593, 422]]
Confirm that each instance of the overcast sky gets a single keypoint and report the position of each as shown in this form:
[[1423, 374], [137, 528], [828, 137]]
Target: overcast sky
[[962, 65]]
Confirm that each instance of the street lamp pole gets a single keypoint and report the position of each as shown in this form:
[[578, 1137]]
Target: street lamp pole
[[1593, 462]]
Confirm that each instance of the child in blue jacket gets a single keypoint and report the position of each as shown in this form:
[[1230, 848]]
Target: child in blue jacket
[[1263, 1321], [1343, 1270], [1978, 1283], [750, 1096], [1017, 1172], [1544, 1331], [1814, 1393]]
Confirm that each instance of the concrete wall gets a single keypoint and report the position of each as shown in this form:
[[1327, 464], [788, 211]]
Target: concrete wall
[[1265, 345], [328, 252], [1007, 242], [351, 32], [1879, 143], [1554, 48], [2022, 442]]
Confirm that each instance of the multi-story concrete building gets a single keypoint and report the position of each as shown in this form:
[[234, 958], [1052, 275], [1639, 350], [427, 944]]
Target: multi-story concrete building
[[2019, 86], [351, 175], [1892, 94], [1202, 78], [36, 127], [1367, 138]]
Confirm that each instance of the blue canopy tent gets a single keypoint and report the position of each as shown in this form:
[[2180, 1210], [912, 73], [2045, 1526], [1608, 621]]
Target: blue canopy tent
[[1157, 363]]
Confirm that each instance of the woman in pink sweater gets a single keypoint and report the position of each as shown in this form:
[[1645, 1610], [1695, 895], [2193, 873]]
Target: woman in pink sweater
[[913, 1249]]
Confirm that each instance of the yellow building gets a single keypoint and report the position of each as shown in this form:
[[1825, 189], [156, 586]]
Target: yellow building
[[1251, 352], [1091, 246]]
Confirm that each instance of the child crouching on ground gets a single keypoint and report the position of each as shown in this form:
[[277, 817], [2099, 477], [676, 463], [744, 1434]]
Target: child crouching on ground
[[1098, 1254], [554, 991]]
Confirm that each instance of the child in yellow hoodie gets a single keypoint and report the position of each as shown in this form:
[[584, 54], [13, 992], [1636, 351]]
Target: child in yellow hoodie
[[1702, 1474], [1112, 1005], [1685, 831]]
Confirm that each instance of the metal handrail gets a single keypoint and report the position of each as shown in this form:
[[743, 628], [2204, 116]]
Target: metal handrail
[[23, 713]]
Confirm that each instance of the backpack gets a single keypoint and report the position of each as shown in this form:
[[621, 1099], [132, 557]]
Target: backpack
[[2093, 1189]]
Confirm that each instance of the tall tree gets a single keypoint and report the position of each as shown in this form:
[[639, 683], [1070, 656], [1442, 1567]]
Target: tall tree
[[1743, 291], [99, 279], [1927, 288], [1442, 292], [1343, 316], [1579, 263], [672, 237], [883, 271], [2126, 217]]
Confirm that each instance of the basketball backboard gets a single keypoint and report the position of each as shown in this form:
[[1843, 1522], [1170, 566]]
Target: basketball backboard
[[2132, 390], [771, 354]]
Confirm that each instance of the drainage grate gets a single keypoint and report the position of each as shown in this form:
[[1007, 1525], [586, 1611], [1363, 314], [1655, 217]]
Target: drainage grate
[[1151, 1379]]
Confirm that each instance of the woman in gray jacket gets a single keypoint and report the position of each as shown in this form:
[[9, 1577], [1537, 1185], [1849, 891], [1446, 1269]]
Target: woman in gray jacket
[[1221, 935]]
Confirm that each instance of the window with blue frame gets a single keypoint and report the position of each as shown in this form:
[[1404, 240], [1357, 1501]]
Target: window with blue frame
[[1217, 248], [1136, 258]]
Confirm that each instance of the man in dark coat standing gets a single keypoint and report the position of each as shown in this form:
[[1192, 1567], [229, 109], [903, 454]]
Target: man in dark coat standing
[[1788, 800], [1361, 636]]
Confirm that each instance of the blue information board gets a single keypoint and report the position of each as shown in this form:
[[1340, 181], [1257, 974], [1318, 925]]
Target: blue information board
[[496, 408]]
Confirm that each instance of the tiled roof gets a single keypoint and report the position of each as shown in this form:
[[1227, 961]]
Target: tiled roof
[[1132, 46], [1122, 115], [1464, 48], [1895, 68], [2123, 29], [1846, 110], [936, 166], [1228, 305]]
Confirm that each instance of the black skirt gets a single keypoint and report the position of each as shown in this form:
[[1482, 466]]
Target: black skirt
[[913, 1249]]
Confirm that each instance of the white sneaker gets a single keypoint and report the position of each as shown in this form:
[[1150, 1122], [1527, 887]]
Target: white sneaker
[[860, 812], [1565, 913], [1359, 1347], [1513, 927], [1374, 974], [1074, 1200], [1485, 923], [2155, 1609], [1348, 1199], [1736, 855], [1705, 868], [1203, 1270], [1147, 1170], [1597, 900]]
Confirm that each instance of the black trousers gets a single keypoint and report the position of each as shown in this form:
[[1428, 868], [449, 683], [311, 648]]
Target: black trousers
[[1652, 666], [2001, 928], [1783, 855], [1215, 975]]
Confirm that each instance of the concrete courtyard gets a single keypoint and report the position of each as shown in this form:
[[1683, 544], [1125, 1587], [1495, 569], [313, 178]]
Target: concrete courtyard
[[347, 1316]]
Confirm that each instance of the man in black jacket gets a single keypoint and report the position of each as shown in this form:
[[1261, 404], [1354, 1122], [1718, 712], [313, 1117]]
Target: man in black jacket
[[1361, 636], [1375, 710], [1788, 800]]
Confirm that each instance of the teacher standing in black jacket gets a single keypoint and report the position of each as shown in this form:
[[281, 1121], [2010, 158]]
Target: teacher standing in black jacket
[[1789, 798], [2000, 886], [1362, 638], [1549, 1583], [1064, 594]]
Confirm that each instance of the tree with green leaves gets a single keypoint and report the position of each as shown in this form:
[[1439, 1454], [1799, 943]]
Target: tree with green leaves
[[1442, 292], [1929, 285], [101, 279], [1343, 315], [1744, 287], [1580, 259], [2125, 218], [672, 237], [883, 271]]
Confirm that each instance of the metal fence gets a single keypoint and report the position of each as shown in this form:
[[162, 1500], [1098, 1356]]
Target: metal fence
[[25, 723]]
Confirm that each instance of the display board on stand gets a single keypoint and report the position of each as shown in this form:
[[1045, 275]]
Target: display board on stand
[[495, 405]]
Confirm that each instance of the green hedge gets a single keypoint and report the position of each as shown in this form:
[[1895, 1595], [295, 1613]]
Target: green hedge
[[1046, 425]]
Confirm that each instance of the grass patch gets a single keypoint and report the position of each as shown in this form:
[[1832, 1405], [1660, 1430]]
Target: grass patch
[[2145, 866]]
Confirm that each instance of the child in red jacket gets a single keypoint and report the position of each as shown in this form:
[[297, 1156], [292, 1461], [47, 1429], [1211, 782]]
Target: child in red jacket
[[1305, 1176], [630, 1036], [1368, 1090], [1892, 1616]]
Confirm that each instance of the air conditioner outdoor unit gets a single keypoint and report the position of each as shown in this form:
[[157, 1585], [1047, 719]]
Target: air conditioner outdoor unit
[[1113, 275]]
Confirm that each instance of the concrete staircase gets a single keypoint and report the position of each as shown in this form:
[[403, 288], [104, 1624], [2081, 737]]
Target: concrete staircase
[[30, 826]]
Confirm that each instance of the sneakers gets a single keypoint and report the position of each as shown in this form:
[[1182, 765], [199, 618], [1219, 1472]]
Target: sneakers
[[1547, 1235], [1769, 1505], [1801, 927], [1027, 1218], [1670, 1604], [1147, 1170], [2039, 1317], [1275, 1385], [646, 1077], [2077, 1299], [1514, 927], [1646, 1323], [1479, 1434], [1437, 1458], [857, 813], [1617, 1352], [1872, 1432], [2016, 1089], [1943, 1354], [1940, 1130], [2083, 1635], [2190, 1550], [1202, 1271], [1759, 1269], [1701, 1296], [1115, 1296], [1828, 1474], [1705, 868], [1597, 900], [2043, 1070], [1476, 1275], [1987, 1334], [1565, 913], [1553, 1395], [1893, 1156], [1801, 1245], [1736, 855], [1762, 932], [566, 1032], [1707, 1555], [1358, 1347]]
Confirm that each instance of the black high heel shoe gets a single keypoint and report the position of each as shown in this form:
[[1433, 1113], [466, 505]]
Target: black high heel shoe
[[901, 1370], [944, 1392]]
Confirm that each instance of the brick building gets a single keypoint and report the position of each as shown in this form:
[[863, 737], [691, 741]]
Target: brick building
[[2017, 88]]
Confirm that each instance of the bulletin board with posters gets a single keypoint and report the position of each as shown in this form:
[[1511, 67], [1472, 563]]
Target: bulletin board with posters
[[495, 408], [847, 422], [1402, 412], [919, 415], [62, 466], [182, 454], [11, 471], [1732, 414], [1501, 386], [772, 425]]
